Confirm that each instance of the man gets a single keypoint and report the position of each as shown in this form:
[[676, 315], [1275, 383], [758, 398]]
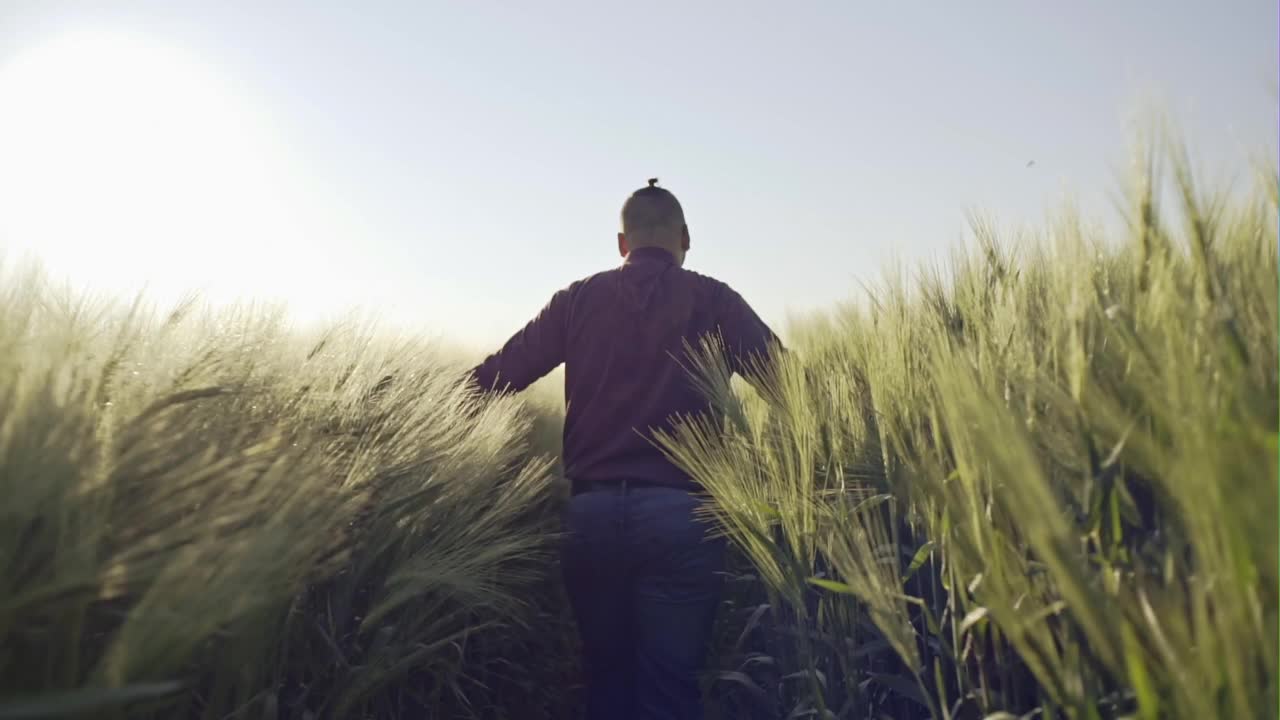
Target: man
[[642, 572]]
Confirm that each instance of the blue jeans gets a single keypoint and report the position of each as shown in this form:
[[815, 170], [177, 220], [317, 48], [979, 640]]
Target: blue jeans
[[644, 580]]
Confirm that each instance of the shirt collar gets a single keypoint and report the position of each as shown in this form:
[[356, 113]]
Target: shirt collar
[[651, 254]]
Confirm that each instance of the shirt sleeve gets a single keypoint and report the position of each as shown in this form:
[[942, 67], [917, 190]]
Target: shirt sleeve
[[531, 353], [746, 337]]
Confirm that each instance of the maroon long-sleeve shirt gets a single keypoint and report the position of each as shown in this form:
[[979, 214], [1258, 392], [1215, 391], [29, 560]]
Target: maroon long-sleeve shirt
[[621, 335]]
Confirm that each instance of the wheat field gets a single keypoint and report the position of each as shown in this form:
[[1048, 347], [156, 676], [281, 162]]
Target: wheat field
[[1039, 482]]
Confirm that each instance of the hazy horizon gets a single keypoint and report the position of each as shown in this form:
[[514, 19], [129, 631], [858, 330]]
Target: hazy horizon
[[450, 166]]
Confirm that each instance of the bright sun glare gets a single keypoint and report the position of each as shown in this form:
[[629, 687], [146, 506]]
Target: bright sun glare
[[126, 162]]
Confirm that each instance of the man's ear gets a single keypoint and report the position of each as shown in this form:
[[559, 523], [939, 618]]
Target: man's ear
[[622, 245], [684, 239]]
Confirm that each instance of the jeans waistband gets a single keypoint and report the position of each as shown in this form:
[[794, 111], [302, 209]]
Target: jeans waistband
[[623, 485]]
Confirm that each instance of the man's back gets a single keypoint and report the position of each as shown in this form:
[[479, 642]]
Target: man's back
[[622, 335]]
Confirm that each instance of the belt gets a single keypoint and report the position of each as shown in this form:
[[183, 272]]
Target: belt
[[622, 485]]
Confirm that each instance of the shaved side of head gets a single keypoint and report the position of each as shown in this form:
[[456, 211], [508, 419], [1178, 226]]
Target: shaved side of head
[[652, 217]]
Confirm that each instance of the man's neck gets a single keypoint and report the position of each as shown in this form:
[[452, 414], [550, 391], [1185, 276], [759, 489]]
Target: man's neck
[[653, 252]]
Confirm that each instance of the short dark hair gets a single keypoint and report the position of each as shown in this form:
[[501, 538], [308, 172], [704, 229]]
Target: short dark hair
[[651, 209]]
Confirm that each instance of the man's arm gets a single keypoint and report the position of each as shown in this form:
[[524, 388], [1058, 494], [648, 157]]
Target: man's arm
[[752, 347], [748, 340], [531, 353]]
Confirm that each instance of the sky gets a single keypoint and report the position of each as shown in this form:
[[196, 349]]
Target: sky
[[448, 166]]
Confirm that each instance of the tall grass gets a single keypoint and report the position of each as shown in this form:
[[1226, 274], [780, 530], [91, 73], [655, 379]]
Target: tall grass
[[1041, 483], [204, 516]]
